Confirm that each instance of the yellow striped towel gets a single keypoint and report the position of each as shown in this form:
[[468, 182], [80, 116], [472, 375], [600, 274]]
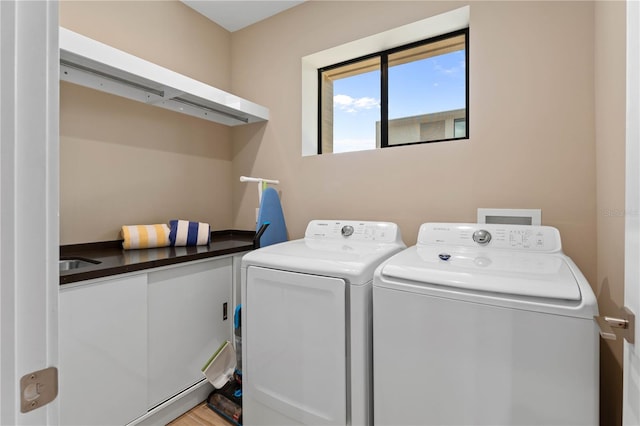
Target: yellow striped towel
[[145, 236]]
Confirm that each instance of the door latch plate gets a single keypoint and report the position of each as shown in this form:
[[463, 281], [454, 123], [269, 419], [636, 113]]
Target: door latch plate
[[38, 388], [626, 324]]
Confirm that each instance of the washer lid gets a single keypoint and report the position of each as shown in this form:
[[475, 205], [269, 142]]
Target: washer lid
[[334, 248], [354, 262], [500, 271]]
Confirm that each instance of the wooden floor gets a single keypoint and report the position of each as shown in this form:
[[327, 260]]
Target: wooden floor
[[201, 415]]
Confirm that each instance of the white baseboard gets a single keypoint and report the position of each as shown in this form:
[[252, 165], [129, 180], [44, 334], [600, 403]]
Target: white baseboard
[[176, 406]]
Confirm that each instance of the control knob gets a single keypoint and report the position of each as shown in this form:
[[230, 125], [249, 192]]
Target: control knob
[[347, 230], [482, 237]]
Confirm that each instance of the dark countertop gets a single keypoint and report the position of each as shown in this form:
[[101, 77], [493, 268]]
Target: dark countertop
[[115, 260]]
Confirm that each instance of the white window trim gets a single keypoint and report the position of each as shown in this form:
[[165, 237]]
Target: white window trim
[[430, 27]]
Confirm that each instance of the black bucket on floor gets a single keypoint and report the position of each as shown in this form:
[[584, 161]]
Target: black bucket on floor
[[227, 402]]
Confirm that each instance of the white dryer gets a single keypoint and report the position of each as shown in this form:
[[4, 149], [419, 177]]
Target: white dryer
[[484, 325], [306, 324]]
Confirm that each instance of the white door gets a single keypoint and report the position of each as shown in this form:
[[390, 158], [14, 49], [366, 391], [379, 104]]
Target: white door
[[29, 68], [631, 392], [188, 297], [295, 365]]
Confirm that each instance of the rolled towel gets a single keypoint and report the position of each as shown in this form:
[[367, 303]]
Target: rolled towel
[[186, 233], [145, 236]]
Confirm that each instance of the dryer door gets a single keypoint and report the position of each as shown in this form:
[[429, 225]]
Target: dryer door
[[294, 337]]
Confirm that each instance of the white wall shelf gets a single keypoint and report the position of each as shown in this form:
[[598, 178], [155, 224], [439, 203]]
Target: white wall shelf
[[93, 64]]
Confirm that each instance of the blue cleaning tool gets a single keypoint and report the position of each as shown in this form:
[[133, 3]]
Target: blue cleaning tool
[[271, 212], [237, 326], [236, 317]]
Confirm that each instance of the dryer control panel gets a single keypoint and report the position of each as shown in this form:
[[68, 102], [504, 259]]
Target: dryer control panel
[[352, 230], [511, 237]]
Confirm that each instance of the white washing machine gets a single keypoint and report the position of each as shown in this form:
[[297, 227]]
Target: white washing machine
[[306, 324], [484, 325]]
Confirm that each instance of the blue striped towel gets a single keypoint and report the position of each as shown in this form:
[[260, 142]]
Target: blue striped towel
[[186, 233]]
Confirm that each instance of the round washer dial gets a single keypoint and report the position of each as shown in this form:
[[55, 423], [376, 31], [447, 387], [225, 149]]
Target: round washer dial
[[347, 230], [482, 237]]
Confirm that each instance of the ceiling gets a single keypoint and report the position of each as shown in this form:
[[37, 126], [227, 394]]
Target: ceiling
[[234, 15]]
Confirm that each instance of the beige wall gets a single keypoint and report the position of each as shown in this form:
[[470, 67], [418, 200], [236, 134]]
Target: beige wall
[[610, 40], [531, 122], [165, 32], [125, 163]]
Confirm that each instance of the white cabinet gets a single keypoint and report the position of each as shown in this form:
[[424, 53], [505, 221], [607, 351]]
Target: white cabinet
[[187, 323], [131, 342], [103, 351]]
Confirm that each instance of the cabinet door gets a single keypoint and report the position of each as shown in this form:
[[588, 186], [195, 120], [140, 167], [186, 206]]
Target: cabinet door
[[186, 323], [103, 352]]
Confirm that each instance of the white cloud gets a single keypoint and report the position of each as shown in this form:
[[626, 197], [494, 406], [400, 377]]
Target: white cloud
[[366, 103], [353, 105], [447, 71], [454, 68], [342, 100]]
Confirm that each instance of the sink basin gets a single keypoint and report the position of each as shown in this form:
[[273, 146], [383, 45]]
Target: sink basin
[[75, 263]]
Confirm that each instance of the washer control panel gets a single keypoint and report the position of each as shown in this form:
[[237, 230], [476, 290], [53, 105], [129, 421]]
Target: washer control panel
[[379, 232], [512, 237]]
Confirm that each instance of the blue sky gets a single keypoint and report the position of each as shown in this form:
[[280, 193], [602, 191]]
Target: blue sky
[[421, 87]]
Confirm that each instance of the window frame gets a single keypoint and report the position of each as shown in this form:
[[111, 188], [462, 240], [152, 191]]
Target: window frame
[[383, 56]]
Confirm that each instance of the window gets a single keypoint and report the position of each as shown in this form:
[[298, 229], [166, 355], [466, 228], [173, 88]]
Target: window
[[459, 127], [411, 94]]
